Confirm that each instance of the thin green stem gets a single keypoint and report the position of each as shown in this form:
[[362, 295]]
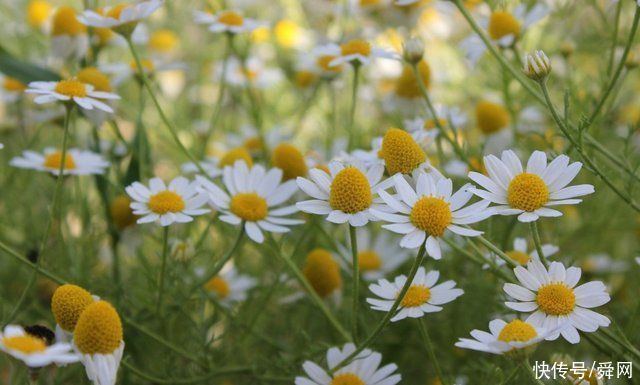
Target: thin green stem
[[223, 261], [356, 283], [430, 350], [163, 267], [354, 102], [526, 365], [533, 226], [53, 213], [390, 314], [497, 250]]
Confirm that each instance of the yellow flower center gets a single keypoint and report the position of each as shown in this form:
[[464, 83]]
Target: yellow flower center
[[407, 85], [253, 143], [25, 344], [37, 12], [491, 117], [104, 35], [368, 3], [93, 76], [369, 260], [239, 153], [527, 192], [290, 160], [400, 152], [322, 272], [66, 23], [121, 212], [231, 18], [304, 79], [556, 299], [430, 124], [116, 11], [163, 40], [324, 61], [417, 295], [99, 329], [347, 379], [518, 331], [350, 191], [166, 202], [287, 33], [219, 286], [71, 88], [249, 206], [14, 85], [54, 160], [519, 256], [502, 24], [67, 303], [147, 65], [355, 47], [432, 215]]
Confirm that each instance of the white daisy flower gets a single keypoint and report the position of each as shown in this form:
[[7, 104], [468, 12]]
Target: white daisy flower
[[424, 127], [424, 213], [503, 28], [11, 89], [228, 21], [356, 51], [230, 287], [76, 162], [211, 165], [252, 198], [322, 58], [120, 15], [521, 255], [554, 300], [364, 369], [121, 72], [178, 202], [504, 337], [253, 73], [69, 38], [347, 193], [98, 339], [378, 254], [33, 350], [423, 295], [529, 193], [70, 90], [602, 263]]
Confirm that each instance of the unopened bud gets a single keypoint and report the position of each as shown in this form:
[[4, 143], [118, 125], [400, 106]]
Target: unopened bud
[[537, 65], [413, 50]]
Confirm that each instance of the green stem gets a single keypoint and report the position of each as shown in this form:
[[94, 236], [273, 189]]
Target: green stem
[[356, 283], [223, 261], [163, 266], [496, 250], [526, 365], [430, 350], [354, 102], [312, 293], [536, 241], [52, 214], [387, 317]]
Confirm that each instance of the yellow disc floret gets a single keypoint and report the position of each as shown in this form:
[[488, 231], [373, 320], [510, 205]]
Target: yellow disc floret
[[322, 272], [350, 191], [65, 22], [147, 65], [231, 18], [219, 286], [93, 76], [67, 303], [431, 215], [519, 256], [121, 213], [517, 331], [24, 344], [417, 295], [13, 85], [304, 79], [99, 329], [556, 299], [249, 206], [324, 62], [287, 33], [72, 88], [346, 379], [491, 117], [502, 24], [407, 85], [527, 192], [290, 160], [369, 260], [54, 160], [233, 155], [355, 47], [401, 153], [166, 202], [116, 11], [164, 41], [38, 12]]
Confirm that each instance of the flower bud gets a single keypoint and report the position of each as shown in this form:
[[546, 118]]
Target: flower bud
[[537, 65], [413, 50]]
